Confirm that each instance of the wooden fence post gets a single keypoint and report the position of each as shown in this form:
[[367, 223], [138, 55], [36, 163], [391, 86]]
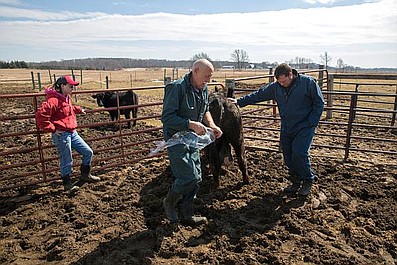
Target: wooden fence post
[[271, 76], [352, 117], [39, 81], [33, 84], [167, 80], [230, 86], [49, 74]]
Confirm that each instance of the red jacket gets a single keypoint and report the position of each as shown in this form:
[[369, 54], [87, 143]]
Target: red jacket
[[57, 113]]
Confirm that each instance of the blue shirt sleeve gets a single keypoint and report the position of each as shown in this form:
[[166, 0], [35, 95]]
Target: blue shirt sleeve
[[262, 94]]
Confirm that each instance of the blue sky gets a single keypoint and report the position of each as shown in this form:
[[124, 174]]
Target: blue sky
[[361, 33]]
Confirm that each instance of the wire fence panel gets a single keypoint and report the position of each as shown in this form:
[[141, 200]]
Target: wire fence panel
[[358, 120]]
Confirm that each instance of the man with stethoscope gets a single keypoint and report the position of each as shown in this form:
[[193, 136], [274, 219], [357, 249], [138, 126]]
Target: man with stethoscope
[[185, 107]]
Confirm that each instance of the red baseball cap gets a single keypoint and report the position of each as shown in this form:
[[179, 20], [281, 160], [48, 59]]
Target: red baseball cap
[[66, 80]]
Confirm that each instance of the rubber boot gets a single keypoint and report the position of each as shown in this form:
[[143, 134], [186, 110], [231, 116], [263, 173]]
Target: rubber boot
[[68, 184], [86, 174], [294, 187], [306, 187], [169, 204], [188, 218]]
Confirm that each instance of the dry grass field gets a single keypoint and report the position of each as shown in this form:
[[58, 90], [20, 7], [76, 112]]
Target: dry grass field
[[134, 77]]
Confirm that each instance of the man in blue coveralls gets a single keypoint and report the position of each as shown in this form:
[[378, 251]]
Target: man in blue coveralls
[[300, 104], [185, 108]]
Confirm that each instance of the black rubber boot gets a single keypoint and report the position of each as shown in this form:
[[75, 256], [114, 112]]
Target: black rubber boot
[[68, 184], [169, 204], [294, 187], [188, 218], [86, 174], [306, 187]]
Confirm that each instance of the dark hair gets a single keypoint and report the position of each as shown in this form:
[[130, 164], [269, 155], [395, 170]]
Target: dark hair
[[282, 69], [57, 87], [60, 81]]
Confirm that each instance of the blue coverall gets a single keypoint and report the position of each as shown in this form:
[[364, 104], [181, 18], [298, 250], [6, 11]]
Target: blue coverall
[[183, 103], [300, 107]]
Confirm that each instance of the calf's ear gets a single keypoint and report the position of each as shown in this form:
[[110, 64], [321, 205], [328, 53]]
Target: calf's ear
[[94, 96]]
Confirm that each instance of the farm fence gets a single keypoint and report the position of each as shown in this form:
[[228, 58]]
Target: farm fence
[[353, 121], [348, 115], [38, 80]]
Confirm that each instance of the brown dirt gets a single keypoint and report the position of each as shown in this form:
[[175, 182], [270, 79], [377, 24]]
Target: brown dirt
[[349, 218]]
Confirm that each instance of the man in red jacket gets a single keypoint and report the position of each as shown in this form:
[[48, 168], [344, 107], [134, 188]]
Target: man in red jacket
[[58, 116]]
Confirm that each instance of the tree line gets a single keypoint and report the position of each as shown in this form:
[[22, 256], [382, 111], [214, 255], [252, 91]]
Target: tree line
[[13, 64], [239, 59]]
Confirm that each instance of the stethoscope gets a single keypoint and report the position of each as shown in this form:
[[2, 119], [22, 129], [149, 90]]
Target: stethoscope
[[191, 107]]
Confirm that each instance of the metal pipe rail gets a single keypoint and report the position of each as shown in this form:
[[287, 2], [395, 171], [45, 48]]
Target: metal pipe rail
[[351, 125], [124, 146], [129, 145], [43, 158]]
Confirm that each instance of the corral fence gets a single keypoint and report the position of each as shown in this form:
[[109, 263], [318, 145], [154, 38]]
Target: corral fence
[[37, 79], [42, 78], [353, 120], [356, 117]]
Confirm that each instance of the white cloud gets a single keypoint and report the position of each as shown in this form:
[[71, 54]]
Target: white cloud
[[10, 2], [39, 15], [293, 32], [320, 1]]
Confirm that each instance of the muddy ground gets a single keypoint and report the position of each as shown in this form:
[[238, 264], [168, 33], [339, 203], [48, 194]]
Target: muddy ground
[[349, 218]]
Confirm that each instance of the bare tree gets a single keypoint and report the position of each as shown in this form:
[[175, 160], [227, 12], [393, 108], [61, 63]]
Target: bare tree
[[325, 59], [240, 57], [201, 55], [301, 62], [340, 64]]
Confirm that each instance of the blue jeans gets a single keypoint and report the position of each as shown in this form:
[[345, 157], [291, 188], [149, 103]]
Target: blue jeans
[[296, 148], [67, 141]]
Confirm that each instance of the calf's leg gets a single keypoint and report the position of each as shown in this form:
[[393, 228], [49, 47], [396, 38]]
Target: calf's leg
[[134, 115], [239, 149], [127, 116]]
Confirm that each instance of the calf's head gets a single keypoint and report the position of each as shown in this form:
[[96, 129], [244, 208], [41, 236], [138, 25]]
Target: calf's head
[[220, 150], [99, 98], [102, 98]]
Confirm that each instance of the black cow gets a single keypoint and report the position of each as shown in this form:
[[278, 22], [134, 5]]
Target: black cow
[[109, 100], [227, 116]]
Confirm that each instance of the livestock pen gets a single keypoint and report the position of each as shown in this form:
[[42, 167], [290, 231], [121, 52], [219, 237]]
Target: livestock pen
[[28, 156], [363, 121]]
